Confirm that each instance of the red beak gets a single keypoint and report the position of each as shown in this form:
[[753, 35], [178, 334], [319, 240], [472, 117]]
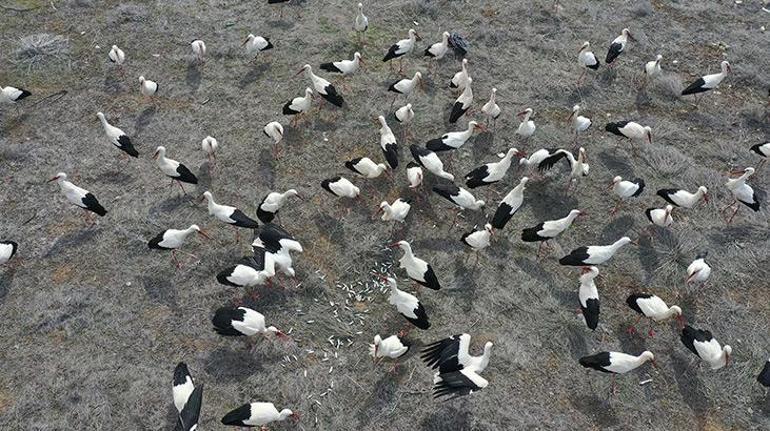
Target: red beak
[[52, 179], [300, 71], [394, 245]]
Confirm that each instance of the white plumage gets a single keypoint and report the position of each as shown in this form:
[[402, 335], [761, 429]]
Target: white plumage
[[579, 123], [416, 268], [652, 68], [586, 57], [480, 239], [407, 304], [510, 204], [209, 145], [402, 47], [405, 114], [397, 211], [344, 67], [743, 192], [491, 109], [439, 49], [699, 270], [198, 49], [256, 44], [430, 161], [460, 79], [116, 55], [660, 216], [390, 347], [414, 175], [406, 86], [257, 414], [362, 22], [147, 87], [341, 187], [527, 126], [7, 251], [683, 198], [453, 140], [365, 167]]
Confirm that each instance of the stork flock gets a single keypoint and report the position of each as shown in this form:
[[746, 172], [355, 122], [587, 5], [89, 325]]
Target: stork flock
[[457, 371]]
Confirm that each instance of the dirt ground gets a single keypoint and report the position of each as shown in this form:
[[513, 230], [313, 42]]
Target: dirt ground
[[94, 322]]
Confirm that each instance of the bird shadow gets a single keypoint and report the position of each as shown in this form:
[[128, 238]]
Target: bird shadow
[[114, 177], [72, 240], [534, 269], [144, 119], [691, 389], [383, 392], [580, 93], [112, 85], [160, 290], [465, 286], [578, 347], [204, 175], [193, 77], [172, 419], [723, 235], [599, 410], [544, 207], [231, 365], [447, 417], [169, 204], [255, 72], [333, 228], [5, 282], [481, 146], [616, 228], [617, 165], [266, 168]]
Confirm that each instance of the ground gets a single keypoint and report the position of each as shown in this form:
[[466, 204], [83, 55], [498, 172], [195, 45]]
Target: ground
[[95, 322]]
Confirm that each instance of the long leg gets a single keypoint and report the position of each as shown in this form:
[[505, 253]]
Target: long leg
[[632, 329]]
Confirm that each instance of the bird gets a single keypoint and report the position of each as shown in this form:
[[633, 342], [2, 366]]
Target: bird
[[453, 140], [653, 308], [490, 173], [491, 109], [706, 347], [322, 87], [397, 211], [173, 169], [251, 271], [763, 150], [116, 55], [241, 321], [458, 196], [578, 166], [256, 44], [699, 270], [624, 190], [593, 255], [478, 239], [174, 239], [535, 159], [463, 102], [652, 68], [147, 87], [510, 204], [417, 269], [182, 386], [742, 192], [272, 203], [549, 230], [616, 362], [198, 49], [209, 145], [618, 45], [527, 126], [401, 48], [298, 105], [274, 131], [631, 130], [11, 95], [117, 137], [257, 414], [407, 305], [78, 196], [457, 372], [682, 198], [344, 67], [187, 397], [579, 123], [587, 59], [365, 167], [391, 347], [404, 114], [460, 79], [439, 49], [405, 86], [388, 143], [588, 296], [764, 376], [430, 161], [229, 215], [660, 217], [276, 243], [708, 82], [7, 251], [414, 175], [340, 187], [361, 23]]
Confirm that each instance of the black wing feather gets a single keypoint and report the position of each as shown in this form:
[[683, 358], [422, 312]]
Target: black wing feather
[[242, 220], [615, 50], [551, 160], [457, 112], [690, 335], [391, 154], [192, 408], [422, 318], [124, 143], [530, 234], [431, 282], [641, 184], [576, 257], [597, 361], [185, 175], [502, 216], [93, 205], [695, 88], [223, 319], [330, 67]]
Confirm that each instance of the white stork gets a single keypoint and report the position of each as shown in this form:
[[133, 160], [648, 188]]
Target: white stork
[[527, 126], [298, 105], [430, 161], [491, 109], [323, 87], [463, 102], [457, 372], [698, 271], [578, 166], [7, 251], [549, 230], [117, 137], [682, 198], [588, 296], [490, 173], [147, 87], [401, 48], [595, 254], [229, 215], [198, 49], [274, 131], [344, 67], [256, 44], [510, 204], [273, 202], [416, 269], [708, 82], [174, 239], [340, 187], [579, 123], [587, 60], [388, 143], [173, 169], [653, 308], [365, 167], [258, 414], [618, 46], [453, 140], [414, 175], [706, 347], [742, 193], [116, 55], [209, 145], [397, 211], [624, 190], [438, 49], [616, 362], [407, 305], [78, 196], [460, 79]]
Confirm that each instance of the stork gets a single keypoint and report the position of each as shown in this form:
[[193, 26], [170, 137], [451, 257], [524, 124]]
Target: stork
[[457, 372], [618, 46], [706, 347], [653, 308], [430, 161], [417, 269], [595, 254], [742, 193], [509, 205], [490, 173], [549, 230]]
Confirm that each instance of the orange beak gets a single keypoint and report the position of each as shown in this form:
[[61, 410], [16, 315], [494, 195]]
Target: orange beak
[[53, 179], [204, 234]]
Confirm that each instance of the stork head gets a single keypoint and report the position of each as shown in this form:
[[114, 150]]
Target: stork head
[[705, 192], [408, 106], [306, 68], [728, 351], [647, 356], [360, 6], [669, 208], [445, 35], [100, 116], [526, 113], [480, 203], [159, 152], [403, 245], [726, 68], [293, 192], [615, 181], [382, 121], [249, 38], [200, 231], [658, 58], [285, 414], [278, 333], [376, 347], [115, 47], [465, 62], [488, 228], [207, 195], [628, 34], [61, 176], [575, 110], [417, 76], [475, 125], [141, 79], [523, 181], [586, 45], [589, 272], [413, 34]]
